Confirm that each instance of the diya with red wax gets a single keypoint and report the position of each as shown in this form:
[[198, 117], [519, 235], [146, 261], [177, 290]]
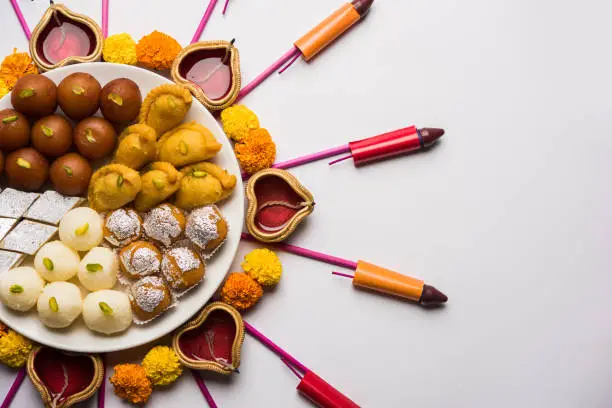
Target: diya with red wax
[[63, 37]]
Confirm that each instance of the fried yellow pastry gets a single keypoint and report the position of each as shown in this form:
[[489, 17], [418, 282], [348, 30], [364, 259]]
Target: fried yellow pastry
[[165, 107], [202, 184], [137, 146], [112, 187], [186, 144], [158, 183]]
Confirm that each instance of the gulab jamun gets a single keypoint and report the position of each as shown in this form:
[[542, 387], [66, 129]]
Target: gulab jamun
[[120, 100], [95, 138], [26, 169], [14, 130], [79, 95], [52, 135], [70, 174], [34, 95], [1, 162]]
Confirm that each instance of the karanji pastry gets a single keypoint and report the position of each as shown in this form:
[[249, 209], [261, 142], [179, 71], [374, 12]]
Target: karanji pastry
[[159, 183], [202, 184], [113, 186], [186, 144], [165, 107], [137, 146]]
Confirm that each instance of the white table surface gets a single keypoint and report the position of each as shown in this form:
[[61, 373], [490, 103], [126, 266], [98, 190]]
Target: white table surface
[[509, 215]]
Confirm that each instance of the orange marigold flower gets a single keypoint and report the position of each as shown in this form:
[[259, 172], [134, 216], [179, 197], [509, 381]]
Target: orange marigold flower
[[157, 50], [15, 66], [241, 291], [131, 383], [256, 152]]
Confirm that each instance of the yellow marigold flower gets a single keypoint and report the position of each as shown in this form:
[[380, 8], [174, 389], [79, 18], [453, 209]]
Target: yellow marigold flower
[[14, 349], [241, 291], [263, 266], [162, 365], [238, 121], [131, 383], [4, 88], [157, 50], [15, 66], [256, 152], [120, 49]]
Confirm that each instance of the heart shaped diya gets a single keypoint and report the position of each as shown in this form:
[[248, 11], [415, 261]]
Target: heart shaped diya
[[278, 202], [211, 71], [63, 379], [212, 340], [63, 37]]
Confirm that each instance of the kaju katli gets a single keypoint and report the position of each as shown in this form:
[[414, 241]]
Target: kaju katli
[[372, 277], [384, 146], [315, 40], [313, 387]]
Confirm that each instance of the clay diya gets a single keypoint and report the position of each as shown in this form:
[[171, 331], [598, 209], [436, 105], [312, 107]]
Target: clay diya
[[63, 37], [278, 202], [211, 71], [64, 379], [212, 341]]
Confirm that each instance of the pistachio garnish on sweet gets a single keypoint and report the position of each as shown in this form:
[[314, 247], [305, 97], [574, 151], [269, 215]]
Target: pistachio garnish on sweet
[[26, 93], [93, 267], [47, 131], [82, 230], [105, 308], [21, 162], [115, 98], [78, 90], [16, 289], [48, 263], [53, 304], [10, 119], [89, 135], [68, 170]]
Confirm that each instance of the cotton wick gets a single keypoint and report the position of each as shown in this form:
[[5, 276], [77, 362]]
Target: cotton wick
[[228, 50]]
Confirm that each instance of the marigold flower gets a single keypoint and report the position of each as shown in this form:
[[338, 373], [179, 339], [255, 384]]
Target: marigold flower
[[15, 66], [157, 50], [263, 266], [256, 152], [241, 291], [238, 121], [120, 49], [131, 383], [162, 365], [14, 349]]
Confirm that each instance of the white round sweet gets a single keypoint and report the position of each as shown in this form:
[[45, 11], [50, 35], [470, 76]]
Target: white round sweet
[[56, 261], [20, 288], [59, 304], [107, 311], [81, 229], [98, 269]]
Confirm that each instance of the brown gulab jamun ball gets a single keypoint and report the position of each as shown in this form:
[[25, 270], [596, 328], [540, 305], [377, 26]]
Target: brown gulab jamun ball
[[79, 95], [95, 138], [34, 95], [120, 100], [14, 130], [52, 135], [26, 169], [70, 174], [1, 162]]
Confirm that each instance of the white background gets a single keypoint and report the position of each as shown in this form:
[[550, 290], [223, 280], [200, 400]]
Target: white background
[[509, 215]]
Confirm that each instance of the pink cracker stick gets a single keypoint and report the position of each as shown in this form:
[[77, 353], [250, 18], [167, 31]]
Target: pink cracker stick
[[14, 388], [292, 54], [24, 24], [105, 18], [323, 154], [225, 6], [308, 253], [274, 348], [204, 389], [204, 21], [102, 390]]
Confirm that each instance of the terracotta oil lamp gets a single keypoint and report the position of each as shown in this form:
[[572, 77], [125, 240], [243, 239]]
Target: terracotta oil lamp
[[278, 203], [211, 71], [64, 379], [212, 341], [63, 37]]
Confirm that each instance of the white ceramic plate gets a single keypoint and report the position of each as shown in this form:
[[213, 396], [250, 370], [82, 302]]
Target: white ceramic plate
[[77, 337]]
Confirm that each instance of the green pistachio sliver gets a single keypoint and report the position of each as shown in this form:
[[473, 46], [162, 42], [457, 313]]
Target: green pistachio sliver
[[16, 289], [53, 304], [81, 230], [93, 267], [9, 119], [105, 308], [115, 98], [183, 148], [89, 135], [47, 131], [199, 174], [78, 90], [120, 180], [159, 184], [26, 93], [68, 170], [21, 162], [48, 264]]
